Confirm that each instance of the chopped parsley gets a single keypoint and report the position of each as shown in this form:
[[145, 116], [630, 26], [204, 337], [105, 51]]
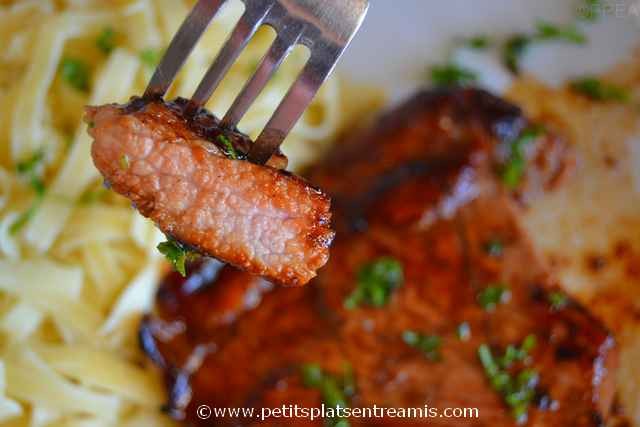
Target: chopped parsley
[[376, 281], [569, 33], [177, 254], [591, 10], [514, 354], [464, 331], [76, 73], [514, 167], [427, 344], [513, 51], [517, 45], [478, 42], [517, 390], [151, 57], [30, 164], [228, 148], [24, 218], [106, 41], [493, 295], [335, 390], [494, 247], [558, 300], [452, 75], [598, 90], [124, 162], [29, 169]]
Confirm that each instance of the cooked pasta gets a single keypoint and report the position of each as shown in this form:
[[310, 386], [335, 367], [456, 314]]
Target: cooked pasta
[[78, 266]]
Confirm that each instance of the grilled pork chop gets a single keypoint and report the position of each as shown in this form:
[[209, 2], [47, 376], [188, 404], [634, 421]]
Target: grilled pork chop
[[472, 319], [258, 218]]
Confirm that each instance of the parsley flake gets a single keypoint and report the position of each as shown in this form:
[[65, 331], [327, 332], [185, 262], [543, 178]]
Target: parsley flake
[[513, 51], [569, 33], [151, 57], [478, 42], [514, 168], [124, 162], [376, 282], [591, 10], [518, 391], [106, 41], [177, 255], [335, 390], [558, 300], [29, 169], [452, 75], [31, 163], [228, 149], [76, 73], [494, 248], [493, 295], [598, 90], [427, 344]]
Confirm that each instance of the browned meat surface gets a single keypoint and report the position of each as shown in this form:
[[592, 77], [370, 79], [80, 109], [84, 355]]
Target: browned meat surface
[[258, 218], [419, 189]]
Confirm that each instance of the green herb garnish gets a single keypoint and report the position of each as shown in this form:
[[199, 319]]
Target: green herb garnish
[[518, 391], [452, 75], [599, 90], [334, 390], [76, 73], [228, 149], [463, 331], [558, 300], [493, 295], [29, 165], [177, 255], [591, 10], [376, 281], [28, 168], [494, 248], [124, 162], [514, 354], [427, 344], [106, 41], [151, 57], [26, 216], [570, 33], [478, 42], [514, 168], [513, 51]]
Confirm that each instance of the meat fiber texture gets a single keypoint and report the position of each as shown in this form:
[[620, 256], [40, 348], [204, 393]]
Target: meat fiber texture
[[260, 219]]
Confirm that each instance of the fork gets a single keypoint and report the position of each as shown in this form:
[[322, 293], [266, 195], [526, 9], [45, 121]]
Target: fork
[[325, 27]]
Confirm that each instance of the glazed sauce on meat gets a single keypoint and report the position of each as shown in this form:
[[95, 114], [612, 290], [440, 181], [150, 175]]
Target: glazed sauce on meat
[[412, 300]]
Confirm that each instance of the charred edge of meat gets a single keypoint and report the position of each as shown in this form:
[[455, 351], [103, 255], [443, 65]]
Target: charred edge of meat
[[207, 126], [202, 122]]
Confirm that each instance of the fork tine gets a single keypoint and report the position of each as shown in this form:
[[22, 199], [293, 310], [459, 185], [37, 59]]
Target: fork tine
[[181, 46], [272, 60], [242, 33], [296, 100]]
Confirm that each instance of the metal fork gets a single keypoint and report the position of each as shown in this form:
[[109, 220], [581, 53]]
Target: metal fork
[[326, 27]]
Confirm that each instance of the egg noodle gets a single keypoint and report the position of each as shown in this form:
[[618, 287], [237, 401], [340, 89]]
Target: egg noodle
[[78, 266]]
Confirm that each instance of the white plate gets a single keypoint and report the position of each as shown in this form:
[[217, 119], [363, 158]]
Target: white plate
[[399, 38]]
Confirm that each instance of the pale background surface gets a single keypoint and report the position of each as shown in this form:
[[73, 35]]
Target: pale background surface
[[400, 37]]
